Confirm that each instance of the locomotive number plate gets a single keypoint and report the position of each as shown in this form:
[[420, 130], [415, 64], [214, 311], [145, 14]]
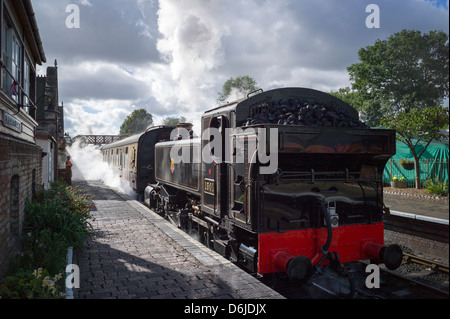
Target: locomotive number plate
[[208, 186]]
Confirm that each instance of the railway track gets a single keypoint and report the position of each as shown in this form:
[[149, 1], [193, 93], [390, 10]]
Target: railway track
[[433, 265], [330, 286], [400, 285]]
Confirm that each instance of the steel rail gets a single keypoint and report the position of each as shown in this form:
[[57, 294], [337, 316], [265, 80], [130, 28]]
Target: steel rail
[[422, 261]]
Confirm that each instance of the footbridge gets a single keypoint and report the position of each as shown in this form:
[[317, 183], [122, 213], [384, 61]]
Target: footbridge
[[96, 139]]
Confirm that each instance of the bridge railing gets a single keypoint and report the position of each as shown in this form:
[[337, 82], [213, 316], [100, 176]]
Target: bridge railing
[[97, 139]]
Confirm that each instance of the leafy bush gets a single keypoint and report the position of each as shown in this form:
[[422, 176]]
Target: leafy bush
[[436, 187], [54, 220], [32, 285], [67, 217]]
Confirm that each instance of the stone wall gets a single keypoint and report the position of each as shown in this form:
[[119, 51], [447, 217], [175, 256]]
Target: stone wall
[[20, 177], [420, 246]]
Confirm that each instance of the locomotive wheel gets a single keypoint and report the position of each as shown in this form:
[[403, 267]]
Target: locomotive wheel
[[299, 269]]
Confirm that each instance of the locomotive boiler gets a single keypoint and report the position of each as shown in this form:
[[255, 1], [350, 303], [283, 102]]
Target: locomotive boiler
[[282, 181]]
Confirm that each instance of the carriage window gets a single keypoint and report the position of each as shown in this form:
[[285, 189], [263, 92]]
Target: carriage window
[[133, 162]]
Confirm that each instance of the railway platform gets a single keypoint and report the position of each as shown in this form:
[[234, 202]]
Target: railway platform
[[134, 253], [419, 225], [434, 210]]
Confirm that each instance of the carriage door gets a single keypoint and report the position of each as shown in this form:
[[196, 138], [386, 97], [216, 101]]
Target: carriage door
[[215, 186]]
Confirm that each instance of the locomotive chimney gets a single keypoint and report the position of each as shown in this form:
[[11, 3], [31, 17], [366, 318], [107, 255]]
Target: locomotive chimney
[[181, 131]]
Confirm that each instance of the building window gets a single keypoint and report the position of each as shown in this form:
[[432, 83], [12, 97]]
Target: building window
[[26, 85], [12, 59]]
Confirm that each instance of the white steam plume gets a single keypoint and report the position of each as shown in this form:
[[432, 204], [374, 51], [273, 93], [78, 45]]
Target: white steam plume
[[192, 44], [88, 165], [236, 94]]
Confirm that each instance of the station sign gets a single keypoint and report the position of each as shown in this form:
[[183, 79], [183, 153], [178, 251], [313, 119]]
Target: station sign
[[12, 122]]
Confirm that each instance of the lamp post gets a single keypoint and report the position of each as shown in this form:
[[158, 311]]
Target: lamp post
[[34, 106]]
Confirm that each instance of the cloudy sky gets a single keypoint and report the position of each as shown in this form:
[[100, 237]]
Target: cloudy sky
[[172, 57]]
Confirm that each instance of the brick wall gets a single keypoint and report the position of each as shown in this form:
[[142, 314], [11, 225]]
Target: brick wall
[[428, 247], [20, 175]]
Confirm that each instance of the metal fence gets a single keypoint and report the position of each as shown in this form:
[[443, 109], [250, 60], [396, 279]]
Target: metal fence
[[97, 139], [429, 169]]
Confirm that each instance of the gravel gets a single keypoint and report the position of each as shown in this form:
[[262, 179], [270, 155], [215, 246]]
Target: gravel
[[422, 273]]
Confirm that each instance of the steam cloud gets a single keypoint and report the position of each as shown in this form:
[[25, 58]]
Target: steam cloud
[[88, 165], [192, 45]]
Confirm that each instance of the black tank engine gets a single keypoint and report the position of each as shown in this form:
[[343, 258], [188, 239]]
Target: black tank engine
[[282, 181]]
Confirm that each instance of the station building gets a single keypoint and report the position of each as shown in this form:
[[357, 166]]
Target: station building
[[20, 155]]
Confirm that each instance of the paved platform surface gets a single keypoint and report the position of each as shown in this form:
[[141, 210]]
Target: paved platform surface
[[418, 206], [134, 253]]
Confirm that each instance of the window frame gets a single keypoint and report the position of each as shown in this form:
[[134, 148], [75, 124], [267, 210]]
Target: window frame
[[17, 65], [12, 57]]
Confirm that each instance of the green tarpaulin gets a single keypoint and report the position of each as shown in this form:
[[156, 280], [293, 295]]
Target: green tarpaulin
[[434, 163]]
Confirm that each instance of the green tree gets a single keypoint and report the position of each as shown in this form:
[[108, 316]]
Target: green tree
[[136, 122], [173, 121], [372, 111], [418, 125], [348, 96], [237, 88], [408, 70]]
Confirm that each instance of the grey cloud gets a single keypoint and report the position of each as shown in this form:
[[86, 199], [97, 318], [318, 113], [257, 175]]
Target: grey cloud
[[320, 34], [311, 43], [111, 30], [105, 83]]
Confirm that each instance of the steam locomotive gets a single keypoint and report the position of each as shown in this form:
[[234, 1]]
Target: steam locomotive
[[281, 181]]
